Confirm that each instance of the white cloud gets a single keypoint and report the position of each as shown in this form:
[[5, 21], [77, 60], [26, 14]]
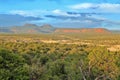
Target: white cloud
[[64, 13], [109, 6], [59, 12], [83, 6], [20, 12], [34, 13], [104, 7]]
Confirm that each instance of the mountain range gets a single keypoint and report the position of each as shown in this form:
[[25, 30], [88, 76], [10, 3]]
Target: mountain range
[[35, 29]]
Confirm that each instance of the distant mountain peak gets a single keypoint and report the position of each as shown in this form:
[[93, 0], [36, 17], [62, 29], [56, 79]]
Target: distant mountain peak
[[28, 24], [48, 26]]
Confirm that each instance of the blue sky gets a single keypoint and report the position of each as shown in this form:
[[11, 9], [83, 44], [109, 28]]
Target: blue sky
[[61, 13]]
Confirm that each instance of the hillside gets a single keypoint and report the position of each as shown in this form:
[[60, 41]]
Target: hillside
[[5, 30], [82, 30], [29, 29], [35, 29], [115, 31]]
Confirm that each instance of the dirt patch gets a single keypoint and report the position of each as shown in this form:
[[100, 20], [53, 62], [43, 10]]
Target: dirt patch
[[114, 48]]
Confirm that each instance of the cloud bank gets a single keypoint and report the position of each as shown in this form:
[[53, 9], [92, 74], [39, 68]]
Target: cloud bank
[[102, 7]]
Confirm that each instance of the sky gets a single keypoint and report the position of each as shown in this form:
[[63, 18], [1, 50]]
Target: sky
[[61, 13]]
